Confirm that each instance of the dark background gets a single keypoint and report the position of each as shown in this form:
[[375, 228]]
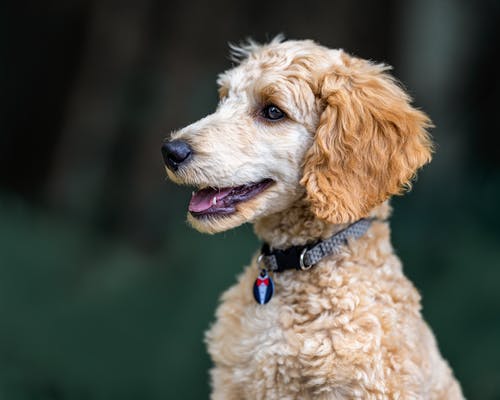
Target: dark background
[[105, 291]]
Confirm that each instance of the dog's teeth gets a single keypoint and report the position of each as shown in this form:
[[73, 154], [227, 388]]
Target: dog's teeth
[[214, 201]]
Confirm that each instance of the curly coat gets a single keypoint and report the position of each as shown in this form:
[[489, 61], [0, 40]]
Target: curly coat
[[351, 327]]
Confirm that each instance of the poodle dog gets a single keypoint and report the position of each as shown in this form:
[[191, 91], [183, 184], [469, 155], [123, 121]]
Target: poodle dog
[[308, 144]]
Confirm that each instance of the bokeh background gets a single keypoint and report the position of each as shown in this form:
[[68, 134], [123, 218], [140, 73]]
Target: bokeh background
[[105, 292]]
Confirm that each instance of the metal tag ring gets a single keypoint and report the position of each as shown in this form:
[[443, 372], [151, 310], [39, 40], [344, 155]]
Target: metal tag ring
[[303, 266], [259, 260]]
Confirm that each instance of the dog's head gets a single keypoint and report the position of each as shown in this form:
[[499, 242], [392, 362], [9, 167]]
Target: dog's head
[[297, 120]]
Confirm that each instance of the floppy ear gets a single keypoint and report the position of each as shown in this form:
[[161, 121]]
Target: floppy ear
[[368, 145]]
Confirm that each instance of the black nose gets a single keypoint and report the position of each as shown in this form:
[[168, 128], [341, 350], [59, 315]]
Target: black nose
[[175, 153]]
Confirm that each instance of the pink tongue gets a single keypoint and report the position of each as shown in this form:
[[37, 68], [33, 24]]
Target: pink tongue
[[203, 199]]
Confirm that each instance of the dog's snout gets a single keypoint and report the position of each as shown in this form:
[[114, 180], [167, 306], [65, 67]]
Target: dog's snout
[[175, 153]]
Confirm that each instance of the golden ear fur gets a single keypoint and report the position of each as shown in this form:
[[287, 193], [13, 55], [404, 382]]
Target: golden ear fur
[[369, 143]]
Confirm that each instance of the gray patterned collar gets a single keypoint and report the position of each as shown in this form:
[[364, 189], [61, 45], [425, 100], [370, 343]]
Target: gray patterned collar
[[305, 257]]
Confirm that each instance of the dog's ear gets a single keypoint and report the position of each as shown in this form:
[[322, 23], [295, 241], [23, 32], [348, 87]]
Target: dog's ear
[[368, 145]]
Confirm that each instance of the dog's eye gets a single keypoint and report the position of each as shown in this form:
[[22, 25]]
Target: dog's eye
[[272, 113]]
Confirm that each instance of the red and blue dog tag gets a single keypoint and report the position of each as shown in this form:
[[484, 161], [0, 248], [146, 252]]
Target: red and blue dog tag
[[263, 288]]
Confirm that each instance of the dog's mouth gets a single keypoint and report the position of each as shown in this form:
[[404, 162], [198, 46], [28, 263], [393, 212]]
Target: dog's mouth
[[211, 201]]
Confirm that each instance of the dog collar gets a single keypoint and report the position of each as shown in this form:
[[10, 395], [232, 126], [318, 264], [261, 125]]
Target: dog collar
[[305, 257], [301, 258]]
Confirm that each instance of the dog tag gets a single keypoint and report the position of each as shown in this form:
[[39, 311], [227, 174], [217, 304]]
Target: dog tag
[[263, 288]]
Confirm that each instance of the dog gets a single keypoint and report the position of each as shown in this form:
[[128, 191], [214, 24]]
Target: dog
[[308, 144]]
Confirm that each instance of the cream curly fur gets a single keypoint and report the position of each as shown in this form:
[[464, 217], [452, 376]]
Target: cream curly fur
[[349, 328]]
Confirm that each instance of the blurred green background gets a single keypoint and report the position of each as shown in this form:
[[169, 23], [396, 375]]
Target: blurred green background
[[105, 292]]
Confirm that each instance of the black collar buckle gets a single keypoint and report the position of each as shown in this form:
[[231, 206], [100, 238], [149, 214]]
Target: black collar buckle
[[290, 258]]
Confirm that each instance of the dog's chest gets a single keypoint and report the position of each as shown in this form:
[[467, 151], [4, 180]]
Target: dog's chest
[[283, 343], [246, 332], [325, 333], [249, 343]]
